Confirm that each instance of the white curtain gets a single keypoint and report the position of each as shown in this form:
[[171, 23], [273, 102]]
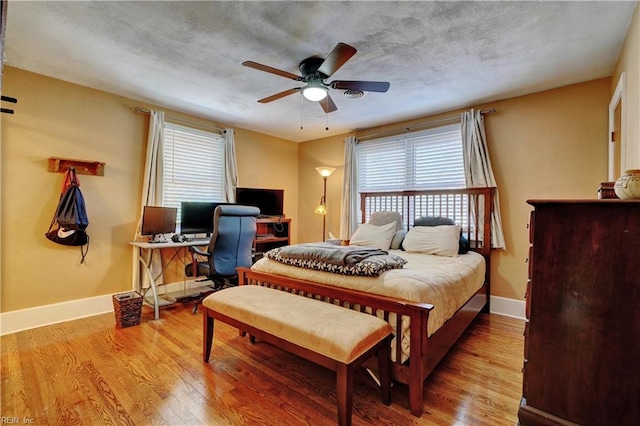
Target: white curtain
[[231, 168], [153, 166], [151, 189], [477, 168], [349, 204]]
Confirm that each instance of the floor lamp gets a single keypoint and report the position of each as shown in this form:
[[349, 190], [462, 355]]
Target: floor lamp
[[325, 172]]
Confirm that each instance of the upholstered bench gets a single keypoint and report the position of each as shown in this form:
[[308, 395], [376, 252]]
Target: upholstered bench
[[337, 338]]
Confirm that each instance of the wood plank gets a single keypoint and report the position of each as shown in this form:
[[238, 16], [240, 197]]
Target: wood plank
[[89, 372]]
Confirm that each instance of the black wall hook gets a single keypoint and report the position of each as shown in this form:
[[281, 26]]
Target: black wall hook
[[8, 99]]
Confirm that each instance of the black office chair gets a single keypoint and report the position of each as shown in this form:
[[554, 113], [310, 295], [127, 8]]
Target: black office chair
[[230, 247]]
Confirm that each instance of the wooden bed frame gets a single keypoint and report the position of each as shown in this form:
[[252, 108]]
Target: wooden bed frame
[[470, 207]]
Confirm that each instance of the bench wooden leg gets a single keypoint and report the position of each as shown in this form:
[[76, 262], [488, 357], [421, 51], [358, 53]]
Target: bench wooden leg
[[207, 334], [384, 370], [344, 393]]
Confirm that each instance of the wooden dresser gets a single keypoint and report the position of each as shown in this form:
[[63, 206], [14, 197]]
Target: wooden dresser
[[582, 337]]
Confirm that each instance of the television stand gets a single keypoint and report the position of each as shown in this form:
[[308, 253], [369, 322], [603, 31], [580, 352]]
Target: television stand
[[272, 232]]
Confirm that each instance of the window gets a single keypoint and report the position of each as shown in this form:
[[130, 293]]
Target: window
[[430, 159], [193, 166]]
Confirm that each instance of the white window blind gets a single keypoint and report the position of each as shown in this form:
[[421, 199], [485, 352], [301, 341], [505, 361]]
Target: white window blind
[[429, 159], [193, 166]]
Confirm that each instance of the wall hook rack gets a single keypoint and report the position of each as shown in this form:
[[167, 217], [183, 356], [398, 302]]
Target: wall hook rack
[[83, 167]]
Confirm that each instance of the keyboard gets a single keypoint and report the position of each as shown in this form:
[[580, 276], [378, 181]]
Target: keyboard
[[200, 240]]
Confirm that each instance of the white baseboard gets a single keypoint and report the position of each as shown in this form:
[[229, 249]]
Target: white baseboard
[[507, 307], [40, 316]]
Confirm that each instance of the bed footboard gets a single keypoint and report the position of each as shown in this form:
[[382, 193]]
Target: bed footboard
[[418, 314]]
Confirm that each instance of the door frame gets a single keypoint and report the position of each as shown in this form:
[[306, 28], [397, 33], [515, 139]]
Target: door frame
[[619, 98]]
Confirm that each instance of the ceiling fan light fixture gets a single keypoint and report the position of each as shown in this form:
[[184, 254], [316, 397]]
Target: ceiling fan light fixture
[[314, 71], [314, 92]]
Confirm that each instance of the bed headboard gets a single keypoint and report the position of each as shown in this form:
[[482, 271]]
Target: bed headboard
[[468, 207]]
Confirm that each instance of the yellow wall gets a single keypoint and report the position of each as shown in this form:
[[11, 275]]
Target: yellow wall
[[55, 118], [327, 152], [545, 145], [629, 62], [268, 162]]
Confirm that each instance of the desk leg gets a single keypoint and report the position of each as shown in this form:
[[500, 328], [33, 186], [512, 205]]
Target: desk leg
[[146, 263]]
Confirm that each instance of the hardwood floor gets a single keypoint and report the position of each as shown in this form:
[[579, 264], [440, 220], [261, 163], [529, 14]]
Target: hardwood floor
[[87, 372]]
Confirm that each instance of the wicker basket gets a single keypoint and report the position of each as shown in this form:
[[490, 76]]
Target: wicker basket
[[606, 191], [128, 308]]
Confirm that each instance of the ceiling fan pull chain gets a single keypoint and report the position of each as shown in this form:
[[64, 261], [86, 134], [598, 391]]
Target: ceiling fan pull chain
[[301, 107], [326, 114]]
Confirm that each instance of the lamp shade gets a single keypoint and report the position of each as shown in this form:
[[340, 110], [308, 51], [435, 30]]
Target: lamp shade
[[325, 171], [314, 92], [321, 209]]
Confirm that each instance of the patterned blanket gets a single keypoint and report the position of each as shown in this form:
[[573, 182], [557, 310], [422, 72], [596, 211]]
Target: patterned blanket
[[346, 260]]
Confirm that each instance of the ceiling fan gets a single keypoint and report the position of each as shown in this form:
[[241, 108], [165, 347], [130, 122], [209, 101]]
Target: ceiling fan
[[315, 71]]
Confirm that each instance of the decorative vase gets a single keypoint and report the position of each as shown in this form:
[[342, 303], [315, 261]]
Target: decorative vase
[[628, 185]]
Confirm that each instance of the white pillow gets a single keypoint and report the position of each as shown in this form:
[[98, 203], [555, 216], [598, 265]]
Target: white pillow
[[369, 235], [441, 240]]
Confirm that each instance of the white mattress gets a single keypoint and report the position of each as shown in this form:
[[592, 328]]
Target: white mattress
[[445, 282]]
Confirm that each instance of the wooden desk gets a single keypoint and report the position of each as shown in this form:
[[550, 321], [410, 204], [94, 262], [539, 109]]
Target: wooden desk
[[145, 253]]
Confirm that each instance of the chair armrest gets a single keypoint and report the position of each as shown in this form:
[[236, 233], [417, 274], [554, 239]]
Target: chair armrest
[[195, 250]]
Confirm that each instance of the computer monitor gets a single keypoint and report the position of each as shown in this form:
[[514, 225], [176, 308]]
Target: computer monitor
[[196, 217], [159, 220]]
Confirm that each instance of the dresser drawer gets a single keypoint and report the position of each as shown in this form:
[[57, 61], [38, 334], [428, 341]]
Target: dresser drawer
[[531, 225], [527, 300], [526, 339], [524, 379]]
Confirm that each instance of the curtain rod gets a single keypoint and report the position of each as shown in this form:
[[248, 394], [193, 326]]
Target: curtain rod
[[204, 126], [399, 130]]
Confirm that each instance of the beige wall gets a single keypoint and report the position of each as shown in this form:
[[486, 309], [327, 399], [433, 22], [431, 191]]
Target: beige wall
[[546, 145], [629, 62], [268, 162], [327, 152], [55, 118]]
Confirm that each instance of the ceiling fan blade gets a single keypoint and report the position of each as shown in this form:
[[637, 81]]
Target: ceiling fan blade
[[365, 86], [279, 95], [328, 105], [337, 58], [271, 70]]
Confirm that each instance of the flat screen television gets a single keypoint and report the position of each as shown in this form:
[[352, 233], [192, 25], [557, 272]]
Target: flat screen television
[[269, 201], [196, 217], [159, 220]]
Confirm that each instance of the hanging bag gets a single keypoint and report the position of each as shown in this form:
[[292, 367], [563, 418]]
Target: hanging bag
[[71, 212], [69, 223]]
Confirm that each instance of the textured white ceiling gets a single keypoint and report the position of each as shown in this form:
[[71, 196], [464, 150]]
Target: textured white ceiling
[[437, 56]]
